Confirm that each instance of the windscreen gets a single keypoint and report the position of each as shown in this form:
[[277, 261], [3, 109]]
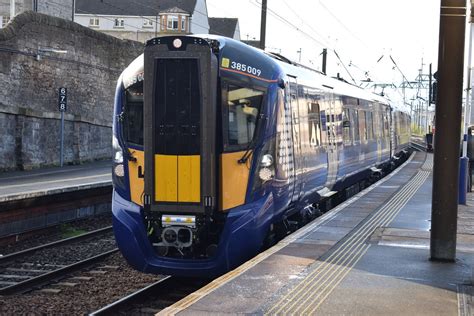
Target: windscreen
[[133, 114], [241, 108]]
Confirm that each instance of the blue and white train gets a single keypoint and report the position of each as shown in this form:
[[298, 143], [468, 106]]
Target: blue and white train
[[218, 147]]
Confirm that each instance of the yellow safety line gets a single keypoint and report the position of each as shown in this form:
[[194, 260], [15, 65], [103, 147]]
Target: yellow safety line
[[206, 290], [387, 211]]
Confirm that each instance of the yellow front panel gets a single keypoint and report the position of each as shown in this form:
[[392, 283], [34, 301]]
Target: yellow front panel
[[189, 178], [166, 178], [234, 180], [136, 183]]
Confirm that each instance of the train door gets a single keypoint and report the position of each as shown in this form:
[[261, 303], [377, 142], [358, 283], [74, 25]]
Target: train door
[[332, 142], [179, 128], [292, 98], [392, 133]]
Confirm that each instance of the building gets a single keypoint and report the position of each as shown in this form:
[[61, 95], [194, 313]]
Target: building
[[62, 9], [141, 20], [225, 26]]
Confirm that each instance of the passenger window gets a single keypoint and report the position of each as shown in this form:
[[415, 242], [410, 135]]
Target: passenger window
[[241, 111], [355, 128], [314, 120], [346, 125], [362, 126], [369, 125]]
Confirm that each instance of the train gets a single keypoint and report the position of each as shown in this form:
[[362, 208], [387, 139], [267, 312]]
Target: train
[[219, 148]]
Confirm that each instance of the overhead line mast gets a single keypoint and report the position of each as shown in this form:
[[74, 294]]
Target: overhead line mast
[[263, 24]]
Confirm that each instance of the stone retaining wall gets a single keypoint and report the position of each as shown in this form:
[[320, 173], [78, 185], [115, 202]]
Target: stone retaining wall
[[30, 76]]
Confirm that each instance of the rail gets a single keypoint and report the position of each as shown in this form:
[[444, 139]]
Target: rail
[[47, 275]]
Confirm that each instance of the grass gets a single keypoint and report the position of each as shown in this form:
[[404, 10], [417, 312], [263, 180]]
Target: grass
[[67, 231]]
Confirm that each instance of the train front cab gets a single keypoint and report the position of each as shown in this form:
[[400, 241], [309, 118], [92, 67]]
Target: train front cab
[[204, 136]]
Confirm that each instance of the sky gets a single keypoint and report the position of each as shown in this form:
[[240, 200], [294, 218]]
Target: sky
[[361, 32]]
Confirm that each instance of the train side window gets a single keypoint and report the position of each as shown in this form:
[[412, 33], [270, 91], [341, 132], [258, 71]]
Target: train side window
[[387, 122], [346, 125], [240, 115], [355, 125], [369, 122], [362, 126], [133, 114], [314, 120]]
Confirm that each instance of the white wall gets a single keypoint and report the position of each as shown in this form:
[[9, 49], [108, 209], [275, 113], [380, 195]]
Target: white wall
[[107, 22], [237, 32], [199, 20]]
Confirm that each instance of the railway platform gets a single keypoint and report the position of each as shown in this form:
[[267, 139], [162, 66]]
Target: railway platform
[[18, 185], [367, 256], [42, 198]]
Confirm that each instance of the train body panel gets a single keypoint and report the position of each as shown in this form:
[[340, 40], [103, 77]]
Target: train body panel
[[197, 194]]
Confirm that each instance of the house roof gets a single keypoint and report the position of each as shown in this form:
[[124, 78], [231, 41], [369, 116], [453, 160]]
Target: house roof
[[133, 7], [223, 26]]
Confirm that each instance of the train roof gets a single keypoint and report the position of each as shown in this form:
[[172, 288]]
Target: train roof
[[272, 67]]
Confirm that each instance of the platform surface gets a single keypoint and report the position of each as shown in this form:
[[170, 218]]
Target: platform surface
[[19, 185], [368, 256]]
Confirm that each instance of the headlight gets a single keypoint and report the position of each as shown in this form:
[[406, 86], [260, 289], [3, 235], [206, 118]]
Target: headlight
[[267, 161], [265, 170], [266, 174], [118, 168]]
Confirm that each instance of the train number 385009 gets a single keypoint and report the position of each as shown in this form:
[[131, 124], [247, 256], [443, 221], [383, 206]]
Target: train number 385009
[[245, 68]]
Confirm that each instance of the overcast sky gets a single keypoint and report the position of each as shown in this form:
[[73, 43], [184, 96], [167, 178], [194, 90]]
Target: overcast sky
[[359, 31]]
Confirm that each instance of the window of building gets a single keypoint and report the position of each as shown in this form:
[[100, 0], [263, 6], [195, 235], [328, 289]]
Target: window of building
[[147, 23], [94, 22], [4, 20], [183, 23], [119, 22], [172, 22]]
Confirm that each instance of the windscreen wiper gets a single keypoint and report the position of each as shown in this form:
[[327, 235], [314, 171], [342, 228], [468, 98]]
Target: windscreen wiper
[[126, 153], [248, 152]]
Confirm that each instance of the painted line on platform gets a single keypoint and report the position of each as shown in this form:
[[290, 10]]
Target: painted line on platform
[[53, 190], [54, 181]]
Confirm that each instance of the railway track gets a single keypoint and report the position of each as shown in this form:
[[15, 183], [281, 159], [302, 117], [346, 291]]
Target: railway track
[[30, 269], [153, 298], [417, 145]]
